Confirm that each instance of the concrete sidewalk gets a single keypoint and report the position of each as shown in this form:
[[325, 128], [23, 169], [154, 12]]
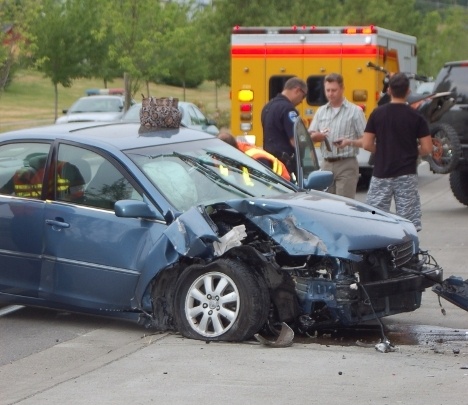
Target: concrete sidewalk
[[168, 369]]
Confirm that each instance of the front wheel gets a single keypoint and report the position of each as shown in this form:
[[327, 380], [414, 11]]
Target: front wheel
[[446, 149], [224, 300], [459, 185]]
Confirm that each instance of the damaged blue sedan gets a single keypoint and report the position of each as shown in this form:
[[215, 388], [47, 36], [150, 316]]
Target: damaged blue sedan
[[177, 230]]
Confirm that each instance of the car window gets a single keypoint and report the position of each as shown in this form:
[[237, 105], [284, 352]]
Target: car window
[[453, 79], [189, 117], [22, 168], [85, 177], [316, 92], [97, 104], [133, 114], [425, 88], [200, 117]]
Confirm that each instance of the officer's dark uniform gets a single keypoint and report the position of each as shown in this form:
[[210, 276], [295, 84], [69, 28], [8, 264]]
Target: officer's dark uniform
[[278, 117]]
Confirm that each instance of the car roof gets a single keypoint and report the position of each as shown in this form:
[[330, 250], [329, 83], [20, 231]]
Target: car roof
[[457, 63], [121, 135], [180, 103]]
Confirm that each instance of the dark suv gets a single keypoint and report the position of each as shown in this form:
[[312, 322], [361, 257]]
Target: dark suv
[[453, 77]]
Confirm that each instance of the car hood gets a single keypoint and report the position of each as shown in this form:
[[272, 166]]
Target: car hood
[[83, 117], [323, 224], [306, 223]]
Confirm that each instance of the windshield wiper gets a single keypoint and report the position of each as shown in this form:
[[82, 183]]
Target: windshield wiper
[[203, 166]]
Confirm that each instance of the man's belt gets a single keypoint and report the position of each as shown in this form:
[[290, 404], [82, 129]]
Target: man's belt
[[336, 159]]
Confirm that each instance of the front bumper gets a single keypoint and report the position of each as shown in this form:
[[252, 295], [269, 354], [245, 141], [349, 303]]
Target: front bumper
[[346, 302]]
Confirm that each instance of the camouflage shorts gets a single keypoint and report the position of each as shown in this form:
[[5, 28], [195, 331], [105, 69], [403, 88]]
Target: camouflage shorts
[[404, 190]]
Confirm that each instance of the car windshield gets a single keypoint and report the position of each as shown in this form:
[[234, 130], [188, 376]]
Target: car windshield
[[206, 172], [92, 104], [133, 114]]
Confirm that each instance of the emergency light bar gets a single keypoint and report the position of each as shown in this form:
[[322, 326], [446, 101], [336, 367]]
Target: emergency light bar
[[303, 29], [359, 30]]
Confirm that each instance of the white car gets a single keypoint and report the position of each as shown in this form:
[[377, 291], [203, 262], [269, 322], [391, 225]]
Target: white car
[[192, 117], [425, 88], [365, 168], [94, 108]]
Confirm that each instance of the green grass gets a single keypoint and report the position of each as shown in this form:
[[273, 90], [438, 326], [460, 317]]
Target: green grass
[[30, 101]]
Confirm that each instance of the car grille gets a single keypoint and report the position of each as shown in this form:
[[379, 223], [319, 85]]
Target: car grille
[[401, 253]]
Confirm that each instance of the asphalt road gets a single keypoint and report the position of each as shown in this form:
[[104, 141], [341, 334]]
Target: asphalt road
[[49, 358]]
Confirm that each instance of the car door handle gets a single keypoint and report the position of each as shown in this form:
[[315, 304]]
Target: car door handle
[[57, 224]]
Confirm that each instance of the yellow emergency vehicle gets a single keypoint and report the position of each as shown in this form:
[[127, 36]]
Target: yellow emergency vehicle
[[263, 58]]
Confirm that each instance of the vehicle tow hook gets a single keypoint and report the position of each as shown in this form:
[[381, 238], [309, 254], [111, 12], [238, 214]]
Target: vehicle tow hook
[[285, 338]]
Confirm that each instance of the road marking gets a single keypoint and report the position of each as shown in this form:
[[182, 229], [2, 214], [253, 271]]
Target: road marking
[[9, 309]]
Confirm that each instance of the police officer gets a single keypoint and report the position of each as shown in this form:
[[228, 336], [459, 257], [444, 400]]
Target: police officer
[[278, 118]]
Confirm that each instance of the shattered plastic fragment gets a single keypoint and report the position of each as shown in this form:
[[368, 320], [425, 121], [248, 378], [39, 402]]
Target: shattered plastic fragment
[[285, 338], [231, 239], [385, 347]]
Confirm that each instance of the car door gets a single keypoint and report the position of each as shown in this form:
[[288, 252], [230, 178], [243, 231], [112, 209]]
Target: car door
[[22, 168], [306, 156], [92, 258]]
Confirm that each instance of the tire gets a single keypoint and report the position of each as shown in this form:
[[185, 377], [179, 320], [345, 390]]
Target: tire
[[459, 185], [224, 300], [446, 148], [364, 179]]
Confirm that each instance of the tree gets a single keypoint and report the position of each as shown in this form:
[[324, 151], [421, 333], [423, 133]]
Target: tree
[[453, 32], [141, 29], [100, 64], [60, 40], [182, 60], [428, 44], [11, 37]]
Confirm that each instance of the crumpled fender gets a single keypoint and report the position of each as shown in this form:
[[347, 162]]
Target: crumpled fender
[[190, 235]]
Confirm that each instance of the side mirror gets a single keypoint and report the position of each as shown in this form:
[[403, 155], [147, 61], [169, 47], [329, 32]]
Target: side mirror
[[135, 209], [318, 180]]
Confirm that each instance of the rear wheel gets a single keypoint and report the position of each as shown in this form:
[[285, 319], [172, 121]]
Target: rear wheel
[[446, 150], [224, 300], [459, 185]]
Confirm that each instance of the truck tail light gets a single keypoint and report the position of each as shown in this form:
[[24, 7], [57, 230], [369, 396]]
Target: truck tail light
[[245, 95], [246, 112], [246, 126]]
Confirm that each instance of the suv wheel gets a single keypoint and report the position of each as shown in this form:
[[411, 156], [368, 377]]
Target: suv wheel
[[459, 185], [446, 148]]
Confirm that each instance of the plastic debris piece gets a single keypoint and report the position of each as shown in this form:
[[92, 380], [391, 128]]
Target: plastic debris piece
[[285, 338]]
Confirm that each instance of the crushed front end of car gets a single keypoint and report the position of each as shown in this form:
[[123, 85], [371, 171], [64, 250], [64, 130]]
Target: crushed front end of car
[[349, 263], [338, 292], [246, 251]]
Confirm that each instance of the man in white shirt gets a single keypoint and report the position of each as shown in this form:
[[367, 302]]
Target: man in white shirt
[[339, 119]]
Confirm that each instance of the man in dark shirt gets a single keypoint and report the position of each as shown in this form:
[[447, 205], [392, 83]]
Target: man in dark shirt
[[397, 134], [278, 118]]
